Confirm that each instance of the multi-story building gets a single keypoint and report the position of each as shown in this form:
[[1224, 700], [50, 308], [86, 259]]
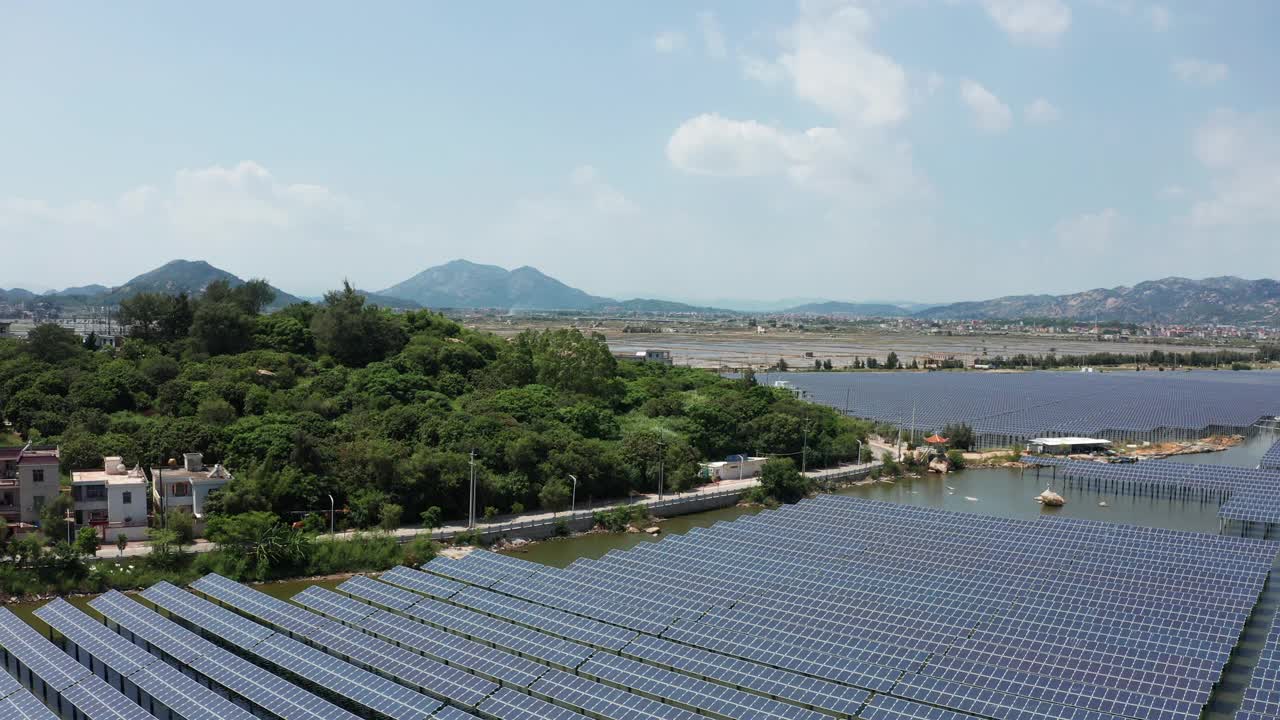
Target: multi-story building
[[29, 480], [112, 500], [187, 488]]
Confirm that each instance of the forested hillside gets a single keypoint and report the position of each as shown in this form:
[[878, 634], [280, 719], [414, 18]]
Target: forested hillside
[[384, 409]]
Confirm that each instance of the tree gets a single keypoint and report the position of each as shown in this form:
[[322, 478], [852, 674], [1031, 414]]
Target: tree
[[222, 328], [53, 343], [817, 364], [555, 495], [959, 436], [144, 314], [490, 512], [891, 362], [432, 518], [780, 480], [826, 364], [216, 412], [565, 359], [353, 333], [122, 542], [182, 525], [86, 543], [389, 516], [53, 518]]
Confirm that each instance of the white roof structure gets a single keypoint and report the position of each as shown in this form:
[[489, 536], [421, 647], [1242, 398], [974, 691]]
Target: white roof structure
[[1067, 441]]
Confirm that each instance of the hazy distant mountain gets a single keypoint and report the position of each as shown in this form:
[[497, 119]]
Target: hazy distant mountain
[[464, 284], [177, 276], [846, 309], [81, 291], [387, 301], [650, 305], [1229, 300], [16, 295]]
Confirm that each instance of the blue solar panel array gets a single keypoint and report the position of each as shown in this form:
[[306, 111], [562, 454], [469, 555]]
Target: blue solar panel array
[[1247, 495], [831, 608], [1271, 459], [1262, 696], [1009, 407], [66, 683]]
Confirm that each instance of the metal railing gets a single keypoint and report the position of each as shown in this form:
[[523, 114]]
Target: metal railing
[[580, 516]]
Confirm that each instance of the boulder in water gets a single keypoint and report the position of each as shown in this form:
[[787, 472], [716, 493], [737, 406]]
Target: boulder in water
[[1051, 498]]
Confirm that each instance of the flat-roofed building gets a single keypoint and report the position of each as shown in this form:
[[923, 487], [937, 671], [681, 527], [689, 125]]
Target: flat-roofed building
[[112, 500], [186, 488], [29, 480], [1067, 445]]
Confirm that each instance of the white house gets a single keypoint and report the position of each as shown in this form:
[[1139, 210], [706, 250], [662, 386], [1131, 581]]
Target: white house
[[112, 500], [188, 487], [735, 467]]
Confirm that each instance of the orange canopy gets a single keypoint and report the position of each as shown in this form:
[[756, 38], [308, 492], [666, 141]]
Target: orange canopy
[[935, 439]]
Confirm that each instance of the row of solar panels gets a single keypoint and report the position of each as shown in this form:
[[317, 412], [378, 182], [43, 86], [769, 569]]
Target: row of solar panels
[[1271, 458], [1261, 699], [130, 670], [1035, 404], [1248, 495]]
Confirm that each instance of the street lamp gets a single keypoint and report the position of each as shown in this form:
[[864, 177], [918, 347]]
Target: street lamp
[[573, 498], [331, 509], [471, 506]]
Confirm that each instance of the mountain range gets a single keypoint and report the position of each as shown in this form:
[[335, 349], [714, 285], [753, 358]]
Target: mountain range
[[1226, 300], [461, 284]]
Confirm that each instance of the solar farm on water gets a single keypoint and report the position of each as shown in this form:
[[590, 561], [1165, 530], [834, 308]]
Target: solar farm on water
[[1011, 408], [831, 608]]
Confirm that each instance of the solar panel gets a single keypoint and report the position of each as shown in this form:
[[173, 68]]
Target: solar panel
[[76, 685], [510, 705], [166, 685], [1004, 408], [231, 672], [45, 661], [24, 706]]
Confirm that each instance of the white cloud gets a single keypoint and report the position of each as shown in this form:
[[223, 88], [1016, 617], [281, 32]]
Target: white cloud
[[1199, 72], [216, 213], [1159, 18], [989, 113], [1033, 22], [1241, 154], [828, 59], [1091, 232], [669, 41], [1042, 112], [861, 169], [713, 41]]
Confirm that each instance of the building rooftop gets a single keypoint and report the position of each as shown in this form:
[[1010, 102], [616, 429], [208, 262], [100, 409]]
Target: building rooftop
[[133, 477], [29, 454], [1059, 441]]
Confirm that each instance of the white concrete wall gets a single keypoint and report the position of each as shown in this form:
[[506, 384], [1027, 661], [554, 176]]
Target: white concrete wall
[[131, 513], [29, 489]]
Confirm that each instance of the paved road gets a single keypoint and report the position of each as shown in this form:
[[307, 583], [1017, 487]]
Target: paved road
[[141, 548]]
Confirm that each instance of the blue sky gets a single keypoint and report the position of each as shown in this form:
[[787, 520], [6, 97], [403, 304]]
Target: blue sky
[[921, 149]]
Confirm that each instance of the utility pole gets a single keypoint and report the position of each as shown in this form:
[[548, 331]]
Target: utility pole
[[913, 422], [471, 501], [661, 451], [804, 450], [846, 401], [573, 498]]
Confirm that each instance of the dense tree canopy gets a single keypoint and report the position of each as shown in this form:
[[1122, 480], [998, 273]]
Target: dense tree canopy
[[383, 410]]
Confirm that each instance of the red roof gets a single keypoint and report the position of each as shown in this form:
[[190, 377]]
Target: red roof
[[935, 439]]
